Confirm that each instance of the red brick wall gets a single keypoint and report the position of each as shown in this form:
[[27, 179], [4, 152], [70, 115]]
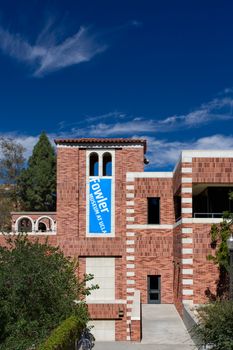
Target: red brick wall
[[71, 217], [144, 188], [212, 170], [205, 273]]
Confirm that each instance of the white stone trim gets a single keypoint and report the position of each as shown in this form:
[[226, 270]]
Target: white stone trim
[[187, 230], [187, 292], [130, 274], [130, 250], [130, 266], [130, 290], [187, 302], [129, 195], [187, 282], [130, 187], [48, 233], [150, 227], [187, 271], [131, 203], [187, 240], [24, 217], [187, 221], [130, 176], [187, 159], [129, 242], [129, 211], [130, 234], [186, 200], [186, 210], [186, 170], [129, 258], [186, 190], [99, 145], [104, 301], [130, 218], [187, 261], [130, 281], [186, 180], [206, 220], [187, 251], [207, 154], [44, 217]]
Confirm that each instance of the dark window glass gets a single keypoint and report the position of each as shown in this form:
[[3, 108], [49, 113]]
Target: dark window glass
[[107, 164], [153, 210], [94, 164], [42, 227], [25, 225]]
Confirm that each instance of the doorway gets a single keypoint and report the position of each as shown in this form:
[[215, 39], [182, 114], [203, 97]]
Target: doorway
[[154, 289]]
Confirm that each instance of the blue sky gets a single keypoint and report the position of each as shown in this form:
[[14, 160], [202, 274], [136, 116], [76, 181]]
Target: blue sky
[[160, 69]]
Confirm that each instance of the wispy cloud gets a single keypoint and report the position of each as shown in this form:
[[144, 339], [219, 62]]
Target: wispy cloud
[[162, 152], [49, 54], [121, 124]]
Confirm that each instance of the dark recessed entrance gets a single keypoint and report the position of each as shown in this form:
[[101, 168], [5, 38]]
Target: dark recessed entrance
[[154, 289]]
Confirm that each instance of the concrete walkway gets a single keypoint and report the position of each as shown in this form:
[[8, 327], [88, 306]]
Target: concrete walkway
[[162, 329]]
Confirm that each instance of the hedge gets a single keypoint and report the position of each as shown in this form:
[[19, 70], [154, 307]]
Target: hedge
[[63, 337]]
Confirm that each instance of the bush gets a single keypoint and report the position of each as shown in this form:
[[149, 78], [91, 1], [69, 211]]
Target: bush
[[38, 286], [216, 325], [64, 336]]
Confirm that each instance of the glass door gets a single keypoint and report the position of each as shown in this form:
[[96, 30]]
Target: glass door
[[154, 289]]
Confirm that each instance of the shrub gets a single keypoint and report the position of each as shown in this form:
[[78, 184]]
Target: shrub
[[216, 325], [38, 286], [64, 336]]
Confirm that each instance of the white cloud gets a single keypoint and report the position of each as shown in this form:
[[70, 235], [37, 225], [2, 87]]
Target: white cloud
[[49, 54], [119, 124], [164, 153]]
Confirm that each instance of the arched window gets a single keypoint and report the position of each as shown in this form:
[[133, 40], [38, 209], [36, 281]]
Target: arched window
[[25, 225], [107, 164], [94, 164], [42, 227]]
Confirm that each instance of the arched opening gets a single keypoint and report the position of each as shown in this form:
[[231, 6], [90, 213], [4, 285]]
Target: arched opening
[[25, 225], [45, 224], [42, 227], [107, 164], [94, 164]]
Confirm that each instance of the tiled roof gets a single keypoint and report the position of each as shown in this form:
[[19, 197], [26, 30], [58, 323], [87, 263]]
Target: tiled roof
[[102, 140]]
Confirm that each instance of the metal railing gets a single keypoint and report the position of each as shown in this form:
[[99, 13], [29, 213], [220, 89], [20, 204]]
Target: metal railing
[[208, 215]]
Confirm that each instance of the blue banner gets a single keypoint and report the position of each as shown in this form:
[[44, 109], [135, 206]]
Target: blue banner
[[100, 205]]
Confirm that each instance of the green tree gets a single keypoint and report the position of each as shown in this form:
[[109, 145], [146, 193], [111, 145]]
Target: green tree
[[11, 160], [38, 286], [37, 183], [219, 235], [11, 165], [215, 326]]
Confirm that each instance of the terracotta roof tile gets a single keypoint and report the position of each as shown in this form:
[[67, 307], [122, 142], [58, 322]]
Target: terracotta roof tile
[[102, 140]]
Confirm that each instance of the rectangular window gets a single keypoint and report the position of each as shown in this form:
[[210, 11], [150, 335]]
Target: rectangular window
[[153, 205]]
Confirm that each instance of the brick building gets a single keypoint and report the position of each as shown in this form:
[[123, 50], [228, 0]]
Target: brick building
[[144, 235]]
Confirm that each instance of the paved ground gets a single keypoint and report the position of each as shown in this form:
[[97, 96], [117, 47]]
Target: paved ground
[[162, 329]]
